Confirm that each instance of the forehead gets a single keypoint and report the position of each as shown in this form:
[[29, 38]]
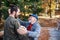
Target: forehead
[[31, 17]]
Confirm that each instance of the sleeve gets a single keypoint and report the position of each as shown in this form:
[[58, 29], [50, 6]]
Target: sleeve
[[35, 33], [16, 24], [24, 23]]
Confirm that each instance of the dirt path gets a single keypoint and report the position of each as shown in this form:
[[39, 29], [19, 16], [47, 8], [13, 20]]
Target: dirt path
[[44, 33]]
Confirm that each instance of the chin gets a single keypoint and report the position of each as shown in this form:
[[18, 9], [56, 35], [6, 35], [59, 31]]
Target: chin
[[16, 17]]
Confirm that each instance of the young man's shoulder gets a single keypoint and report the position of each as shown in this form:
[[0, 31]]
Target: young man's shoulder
[[11, 20]]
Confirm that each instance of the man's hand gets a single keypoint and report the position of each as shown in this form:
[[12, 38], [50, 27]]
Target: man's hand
[[22, 30], [1, 33]]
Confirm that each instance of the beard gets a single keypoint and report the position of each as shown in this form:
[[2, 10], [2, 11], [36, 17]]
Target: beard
[[16, 16]]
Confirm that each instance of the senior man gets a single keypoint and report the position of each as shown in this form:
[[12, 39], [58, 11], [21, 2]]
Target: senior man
[[33, 27]]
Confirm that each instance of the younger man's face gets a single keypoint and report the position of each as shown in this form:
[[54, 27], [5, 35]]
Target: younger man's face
[[17, 13]]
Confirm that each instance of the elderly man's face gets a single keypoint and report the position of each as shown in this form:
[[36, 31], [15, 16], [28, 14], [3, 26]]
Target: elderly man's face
[[31, 19]]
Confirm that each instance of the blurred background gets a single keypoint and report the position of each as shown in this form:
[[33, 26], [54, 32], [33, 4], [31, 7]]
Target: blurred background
[[48, 12]]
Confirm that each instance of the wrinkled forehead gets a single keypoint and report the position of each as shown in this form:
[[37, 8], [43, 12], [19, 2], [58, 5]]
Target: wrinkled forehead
[[31, 17]]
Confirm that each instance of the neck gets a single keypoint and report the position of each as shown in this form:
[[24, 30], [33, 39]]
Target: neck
[[12, 15]]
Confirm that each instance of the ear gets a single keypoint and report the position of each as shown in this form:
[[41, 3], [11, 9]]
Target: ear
[[9, 11], [35, 19]]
